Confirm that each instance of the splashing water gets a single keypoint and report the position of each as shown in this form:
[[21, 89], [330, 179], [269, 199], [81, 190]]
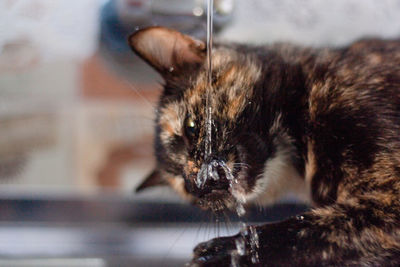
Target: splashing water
[[201, 176], [249, 234], [240, 246], [255, 244], [235, 257], [240, 251], [240, 209], [209, 170]]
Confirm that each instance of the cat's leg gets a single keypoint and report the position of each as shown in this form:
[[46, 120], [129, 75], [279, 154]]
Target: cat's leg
[[361, 231]]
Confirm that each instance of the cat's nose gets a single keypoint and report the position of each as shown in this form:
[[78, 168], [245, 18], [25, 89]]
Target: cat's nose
[[214, 175]]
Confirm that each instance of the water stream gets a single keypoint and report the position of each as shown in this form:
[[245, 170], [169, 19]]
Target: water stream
[[208, 148], [208, 170]]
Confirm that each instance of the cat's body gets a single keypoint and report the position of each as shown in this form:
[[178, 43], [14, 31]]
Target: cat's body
[[286, 117]]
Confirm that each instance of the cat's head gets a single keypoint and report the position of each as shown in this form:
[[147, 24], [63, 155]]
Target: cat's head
[[236, 165]]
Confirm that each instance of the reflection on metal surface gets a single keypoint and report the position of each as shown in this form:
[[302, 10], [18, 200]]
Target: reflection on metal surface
[[111, 230], [106, 209], [157, 241], [57, 262]]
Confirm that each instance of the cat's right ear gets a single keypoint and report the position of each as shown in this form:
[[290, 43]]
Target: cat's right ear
[[167, 50]]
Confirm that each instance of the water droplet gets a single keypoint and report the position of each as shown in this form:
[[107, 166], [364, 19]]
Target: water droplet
[[254, 244], [227, 171], [201, 177], [243, 229], [235, 258], [240, 245], [212, 170], [240, 210], [255, 258], [254, 236], [198, 11]]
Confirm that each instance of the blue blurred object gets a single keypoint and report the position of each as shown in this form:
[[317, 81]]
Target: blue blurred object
[[113, 33], [120, 18]]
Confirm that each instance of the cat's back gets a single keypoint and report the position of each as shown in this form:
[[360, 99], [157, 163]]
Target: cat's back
[[369, 61], [354, 91], [361, 79], [354, 113]]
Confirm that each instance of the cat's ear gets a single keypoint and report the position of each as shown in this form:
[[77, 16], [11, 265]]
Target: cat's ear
[[153, 179], [168, 51]]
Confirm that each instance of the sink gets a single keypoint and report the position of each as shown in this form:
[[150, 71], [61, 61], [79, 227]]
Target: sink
[[112, 231]]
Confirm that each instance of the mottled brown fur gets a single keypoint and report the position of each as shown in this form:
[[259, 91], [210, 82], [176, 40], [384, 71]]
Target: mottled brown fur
[[284, 115]]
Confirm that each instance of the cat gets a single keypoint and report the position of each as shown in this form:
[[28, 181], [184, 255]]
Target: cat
[[285, 118]]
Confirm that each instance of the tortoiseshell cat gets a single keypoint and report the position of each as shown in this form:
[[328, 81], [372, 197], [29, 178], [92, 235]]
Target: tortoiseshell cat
[[285, 117]]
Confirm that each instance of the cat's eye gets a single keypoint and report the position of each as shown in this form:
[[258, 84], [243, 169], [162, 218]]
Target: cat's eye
[[190, 127]]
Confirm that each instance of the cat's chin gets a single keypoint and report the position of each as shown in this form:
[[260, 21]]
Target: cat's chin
[[217, 200]]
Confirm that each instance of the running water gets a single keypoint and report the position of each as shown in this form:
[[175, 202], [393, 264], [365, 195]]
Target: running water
[[209, 169], [210, 9]]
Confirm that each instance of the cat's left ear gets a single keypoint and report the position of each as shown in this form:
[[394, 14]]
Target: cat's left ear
[[167, 50], [153, 179]]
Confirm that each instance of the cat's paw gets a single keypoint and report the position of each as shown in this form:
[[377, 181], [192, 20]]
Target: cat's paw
[[216, 252], [238, 250]]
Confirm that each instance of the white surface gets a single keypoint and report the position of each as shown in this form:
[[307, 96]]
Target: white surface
[[176, 241], [313, 22], [52, 28], [59, 262]]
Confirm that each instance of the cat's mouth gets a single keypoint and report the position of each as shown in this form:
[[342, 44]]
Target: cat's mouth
[[216, 200], [215, 186]]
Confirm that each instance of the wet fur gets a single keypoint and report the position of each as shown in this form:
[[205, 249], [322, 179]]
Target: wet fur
[[327, 120]]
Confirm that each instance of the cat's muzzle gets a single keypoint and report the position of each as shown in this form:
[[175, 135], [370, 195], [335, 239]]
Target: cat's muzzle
[[214, 177]]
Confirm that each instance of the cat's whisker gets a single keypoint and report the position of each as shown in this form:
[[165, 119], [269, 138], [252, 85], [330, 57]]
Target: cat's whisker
[[214, 224], [226, 221], [201, 218], [207, 224], [137, 92], [209, 232], [242, 165], [182, 231], [218, 227]]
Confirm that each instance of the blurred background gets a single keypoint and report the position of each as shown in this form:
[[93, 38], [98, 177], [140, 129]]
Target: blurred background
[[76, 118]]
